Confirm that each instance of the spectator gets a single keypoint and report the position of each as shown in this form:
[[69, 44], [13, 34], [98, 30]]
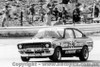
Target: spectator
[[60, 15], [96, 12], [64, 15], [56, 13], [42, 12], [76, 14], [7, 11], [49, 18], [32, 10], [6, 14]]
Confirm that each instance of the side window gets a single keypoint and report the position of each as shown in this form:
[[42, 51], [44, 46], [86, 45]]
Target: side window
[[78, 34], [61, 32], [69, 34]]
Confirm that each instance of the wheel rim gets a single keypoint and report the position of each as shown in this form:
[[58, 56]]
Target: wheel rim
[[59, 55], [86, 54]]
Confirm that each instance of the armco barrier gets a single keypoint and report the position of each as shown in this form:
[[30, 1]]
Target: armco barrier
[[83, 27]]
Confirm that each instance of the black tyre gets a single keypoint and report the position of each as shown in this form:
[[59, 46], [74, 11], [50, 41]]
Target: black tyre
[[84, 54], [25, 59], [56, 56]]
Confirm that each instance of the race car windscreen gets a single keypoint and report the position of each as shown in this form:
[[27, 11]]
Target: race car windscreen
[[46, 34]]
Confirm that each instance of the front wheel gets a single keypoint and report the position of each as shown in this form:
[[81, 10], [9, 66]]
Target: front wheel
[[56, 56], [25, 59], [84, 54]]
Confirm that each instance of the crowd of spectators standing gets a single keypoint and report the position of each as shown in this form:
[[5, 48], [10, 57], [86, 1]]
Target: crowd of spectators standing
[[43, 13]]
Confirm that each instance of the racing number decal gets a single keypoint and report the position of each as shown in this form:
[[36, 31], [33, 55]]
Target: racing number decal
[[68, 44], [68, 47]]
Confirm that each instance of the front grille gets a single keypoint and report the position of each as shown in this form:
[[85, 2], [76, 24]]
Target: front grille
[[33, 45]]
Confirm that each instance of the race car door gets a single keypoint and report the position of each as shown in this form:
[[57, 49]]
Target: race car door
[[79, 39], [68, 41]]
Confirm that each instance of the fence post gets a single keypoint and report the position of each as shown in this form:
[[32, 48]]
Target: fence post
[[21, 18]]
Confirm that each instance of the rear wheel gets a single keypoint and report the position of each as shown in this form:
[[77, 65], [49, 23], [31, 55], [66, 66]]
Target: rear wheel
[[25, 59], [84, 54], [56, 56]]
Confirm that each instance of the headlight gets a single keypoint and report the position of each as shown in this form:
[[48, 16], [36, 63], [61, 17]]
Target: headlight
[[20, 46], [47, 45]]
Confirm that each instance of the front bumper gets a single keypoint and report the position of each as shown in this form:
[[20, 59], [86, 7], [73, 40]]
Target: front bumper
[[36, 52]]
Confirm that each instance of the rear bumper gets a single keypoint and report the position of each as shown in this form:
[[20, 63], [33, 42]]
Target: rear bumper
[[36, 52]]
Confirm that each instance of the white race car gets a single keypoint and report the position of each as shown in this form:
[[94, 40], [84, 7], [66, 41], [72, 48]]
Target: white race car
[[56, 42]]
